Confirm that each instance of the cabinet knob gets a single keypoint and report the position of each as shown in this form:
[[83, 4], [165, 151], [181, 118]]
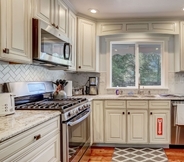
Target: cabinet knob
[[53, 25], [151, 113], [79, 67], [6, 50], [128, 113], [123, 113], [57, 27], [37, 137]]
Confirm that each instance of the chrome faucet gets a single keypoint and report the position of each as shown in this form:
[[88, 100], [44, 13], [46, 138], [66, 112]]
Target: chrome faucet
[[139, 91]]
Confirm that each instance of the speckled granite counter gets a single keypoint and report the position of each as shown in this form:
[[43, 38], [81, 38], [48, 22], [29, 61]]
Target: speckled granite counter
[[119, 97], [23, 120]]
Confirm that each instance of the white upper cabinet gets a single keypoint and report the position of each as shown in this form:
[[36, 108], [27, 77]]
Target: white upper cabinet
[[61, 16], [53, 12], [72, 37], [44, 10], [120, 27], [179, 49], [86, 45], [15, 31]]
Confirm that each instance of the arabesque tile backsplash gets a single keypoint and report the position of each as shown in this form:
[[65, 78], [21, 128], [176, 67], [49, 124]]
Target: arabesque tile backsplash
[[15, 73]]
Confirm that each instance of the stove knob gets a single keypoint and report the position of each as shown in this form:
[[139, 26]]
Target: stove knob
[[69, 114]]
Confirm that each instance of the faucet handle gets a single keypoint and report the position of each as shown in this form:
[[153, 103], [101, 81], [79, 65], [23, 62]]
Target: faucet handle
[[149, 92], [121, 92]]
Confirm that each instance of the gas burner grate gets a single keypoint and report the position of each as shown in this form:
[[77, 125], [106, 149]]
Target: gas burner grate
[[51, 104]]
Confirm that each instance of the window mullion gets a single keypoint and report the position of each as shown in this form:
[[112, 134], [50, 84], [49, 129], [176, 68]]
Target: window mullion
[[136, 64]]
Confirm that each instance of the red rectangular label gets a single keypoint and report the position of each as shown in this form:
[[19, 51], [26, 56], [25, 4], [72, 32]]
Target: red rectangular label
[[159, 126]]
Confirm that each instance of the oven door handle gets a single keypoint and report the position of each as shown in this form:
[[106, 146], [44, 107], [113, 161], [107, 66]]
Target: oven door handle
[[79, 120]]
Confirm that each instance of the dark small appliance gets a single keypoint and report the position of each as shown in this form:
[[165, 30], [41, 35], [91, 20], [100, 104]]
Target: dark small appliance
[[93, 85]]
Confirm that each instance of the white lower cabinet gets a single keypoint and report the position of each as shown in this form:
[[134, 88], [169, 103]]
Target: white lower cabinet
[[98, 122], [137, 126], [159, 126], [131, 121], [115, 125], [41, 143], [49, 151]]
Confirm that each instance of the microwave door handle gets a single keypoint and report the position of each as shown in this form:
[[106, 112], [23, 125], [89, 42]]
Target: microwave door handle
[[65, 46], [79, 120]]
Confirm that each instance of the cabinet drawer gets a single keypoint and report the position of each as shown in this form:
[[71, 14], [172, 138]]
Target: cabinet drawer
[[159, 104], [18, 143], [115, 104], [137, 104]]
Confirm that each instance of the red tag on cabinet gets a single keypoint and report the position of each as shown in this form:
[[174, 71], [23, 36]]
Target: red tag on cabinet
[[159, 126]]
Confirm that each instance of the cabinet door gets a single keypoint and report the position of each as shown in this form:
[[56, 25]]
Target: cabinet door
[[137, 126], [72, 37], [16, 31], [44, 10], [86, 45], [159, 126], [179, 49], [115, 126], [98, 122], [61, 16], [47, 152]]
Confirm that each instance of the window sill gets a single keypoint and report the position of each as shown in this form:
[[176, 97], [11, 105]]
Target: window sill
[[135, 88]]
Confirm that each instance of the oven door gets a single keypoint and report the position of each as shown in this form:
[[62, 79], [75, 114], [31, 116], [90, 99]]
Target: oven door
[[76, 137]]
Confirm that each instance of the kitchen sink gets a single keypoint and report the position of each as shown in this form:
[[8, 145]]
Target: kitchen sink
[[136, 96], [128, 96], [148, 96]]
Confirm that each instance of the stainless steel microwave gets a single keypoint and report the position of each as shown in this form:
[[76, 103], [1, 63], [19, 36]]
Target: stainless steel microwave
[[49, 46]]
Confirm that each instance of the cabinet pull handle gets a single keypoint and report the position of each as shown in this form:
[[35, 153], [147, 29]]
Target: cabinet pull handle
[[79, 67], [57, 27], [128, 113], [123, 113], [151, 113], [6, 50], [37, 137], [53, 25]]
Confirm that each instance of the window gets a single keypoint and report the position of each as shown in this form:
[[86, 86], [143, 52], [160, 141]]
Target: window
[[133, 63]]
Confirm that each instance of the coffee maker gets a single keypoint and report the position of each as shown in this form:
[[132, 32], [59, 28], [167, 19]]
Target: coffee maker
[[93, 86]]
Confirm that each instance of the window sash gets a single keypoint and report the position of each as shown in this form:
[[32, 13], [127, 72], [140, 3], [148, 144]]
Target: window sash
[[161, 43]]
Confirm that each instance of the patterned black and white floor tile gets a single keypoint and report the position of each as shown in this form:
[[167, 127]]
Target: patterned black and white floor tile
[[72, 151], [139, 155]]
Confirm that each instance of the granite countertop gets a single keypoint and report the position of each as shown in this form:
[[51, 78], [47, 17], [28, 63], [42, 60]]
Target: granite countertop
[[121, 97], [23, 120]]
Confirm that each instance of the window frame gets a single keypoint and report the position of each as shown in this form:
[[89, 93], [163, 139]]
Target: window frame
[[164, 60]]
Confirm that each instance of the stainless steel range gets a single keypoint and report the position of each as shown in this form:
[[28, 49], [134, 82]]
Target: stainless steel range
[[75, 115]]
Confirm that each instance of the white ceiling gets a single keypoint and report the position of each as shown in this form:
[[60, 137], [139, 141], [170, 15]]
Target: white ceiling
[[130, 8]]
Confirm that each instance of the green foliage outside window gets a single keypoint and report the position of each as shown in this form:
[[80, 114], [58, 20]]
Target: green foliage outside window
[[150, 69], [123, 69]]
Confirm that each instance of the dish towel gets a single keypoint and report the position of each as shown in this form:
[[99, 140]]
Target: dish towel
[[180, 114]]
